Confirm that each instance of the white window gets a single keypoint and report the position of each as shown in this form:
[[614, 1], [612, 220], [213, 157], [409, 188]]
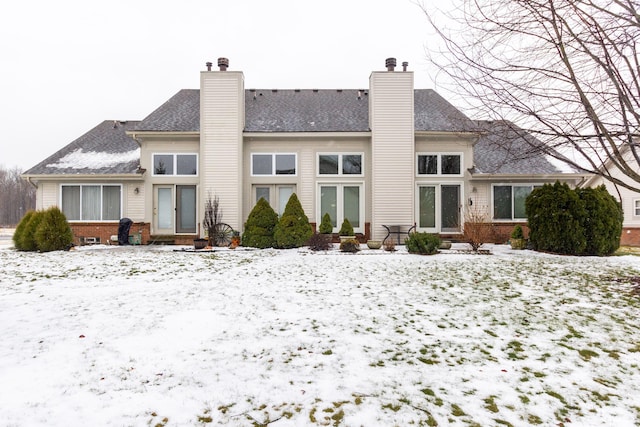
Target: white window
[[508, 201], [175, 164], [636, 207], [449, 164], [273, 164], [340, 164], [92, 202], [342, 201]]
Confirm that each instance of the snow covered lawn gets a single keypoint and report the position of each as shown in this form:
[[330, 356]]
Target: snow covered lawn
[[143, 336]]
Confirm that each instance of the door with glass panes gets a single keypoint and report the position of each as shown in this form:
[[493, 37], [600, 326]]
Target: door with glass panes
[[174, 209], [439, 208]]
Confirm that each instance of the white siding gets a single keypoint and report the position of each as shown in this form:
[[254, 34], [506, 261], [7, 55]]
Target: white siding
[[133, 204], [393, 148], [626, 197], [50, 194], [221, 124]]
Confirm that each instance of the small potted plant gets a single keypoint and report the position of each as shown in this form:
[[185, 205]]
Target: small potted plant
[[517, 240], [235, 240], [346, 231]]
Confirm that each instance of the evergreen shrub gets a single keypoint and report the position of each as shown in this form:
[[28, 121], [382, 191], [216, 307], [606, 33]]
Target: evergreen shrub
[[28, 237], [422, 243], [293, 229], [260, 225], [603, 222], [346, 229], [53, 233], [326, 227], [18, 235]]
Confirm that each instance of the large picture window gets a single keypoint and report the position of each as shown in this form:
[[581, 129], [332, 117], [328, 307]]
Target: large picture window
[[175, 164], [509, 200], [340, 164], [439, 164], [92, 202], [273, 164]]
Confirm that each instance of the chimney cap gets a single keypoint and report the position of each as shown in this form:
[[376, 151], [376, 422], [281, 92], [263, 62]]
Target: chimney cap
[[390, 63], [223, 63]]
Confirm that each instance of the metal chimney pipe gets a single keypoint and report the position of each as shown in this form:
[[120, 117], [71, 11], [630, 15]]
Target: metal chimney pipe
[[405, 65], [223, 63], [209, 64], [390, 63]]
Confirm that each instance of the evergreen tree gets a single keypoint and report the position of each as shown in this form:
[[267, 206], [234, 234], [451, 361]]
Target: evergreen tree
[[326, 227], [28, 238], [293, 229], [53, 233], [18, 235], [260, 225], [603, 222]]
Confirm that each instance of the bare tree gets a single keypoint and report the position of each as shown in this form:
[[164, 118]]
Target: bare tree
[[17, 196], [567, 71]]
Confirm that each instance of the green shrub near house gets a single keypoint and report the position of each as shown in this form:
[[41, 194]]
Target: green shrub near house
[[260, 226], [573, 222], [28, 237], [53, 233], [293, 228], [326, 226], [422, 243], [346, 229], [603, 222], [18, 235]]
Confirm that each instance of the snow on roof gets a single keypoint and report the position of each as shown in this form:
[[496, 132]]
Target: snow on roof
[[80, 159]]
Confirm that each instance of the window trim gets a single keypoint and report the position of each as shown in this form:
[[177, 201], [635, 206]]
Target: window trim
[[101, 185], [175, 164], [438, 207], [439, 160], [636, 207], [340, 163], [340, 198], [273, 164], [512, 185]]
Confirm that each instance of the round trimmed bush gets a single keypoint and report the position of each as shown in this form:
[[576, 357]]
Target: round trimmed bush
[[18, 235], [555, 214], [603, 222], [53, 232], [28, 238]]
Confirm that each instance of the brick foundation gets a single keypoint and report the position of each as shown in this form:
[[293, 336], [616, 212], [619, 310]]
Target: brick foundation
[[102, 231], [630, 237]]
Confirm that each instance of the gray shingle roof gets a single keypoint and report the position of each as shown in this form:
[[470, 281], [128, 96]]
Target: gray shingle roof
[[505, 148], [105, 149], [304, 110], [181, 113]]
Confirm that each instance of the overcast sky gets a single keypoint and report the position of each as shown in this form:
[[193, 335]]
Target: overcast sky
[[67, 65]]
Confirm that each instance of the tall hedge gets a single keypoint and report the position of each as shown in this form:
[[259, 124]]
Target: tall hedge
[[555, 214], [575, 222], [260, 225], [293, 229], [53, 233], [603, 223]]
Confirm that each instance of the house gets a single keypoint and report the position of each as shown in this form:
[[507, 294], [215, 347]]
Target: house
[[387, 154], [629, 199]]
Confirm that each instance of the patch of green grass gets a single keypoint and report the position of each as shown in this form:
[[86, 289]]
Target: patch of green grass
[[534, 419], [587, 354], [490, 404], [456, 411]]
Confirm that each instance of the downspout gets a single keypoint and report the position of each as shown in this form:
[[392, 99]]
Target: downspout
[[31, 182]]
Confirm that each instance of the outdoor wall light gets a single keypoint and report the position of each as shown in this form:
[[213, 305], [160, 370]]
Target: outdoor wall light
[[470, 201], [136, 190]]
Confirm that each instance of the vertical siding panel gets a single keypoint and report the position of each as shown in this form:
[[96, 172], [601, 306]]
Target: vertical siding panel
[[393, 147], [221, 124]]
